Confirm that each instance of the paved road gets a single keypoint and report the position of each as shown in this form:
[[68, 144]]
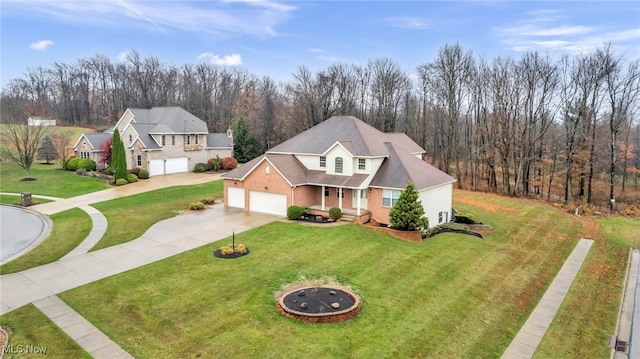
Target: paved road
[[20, 229]]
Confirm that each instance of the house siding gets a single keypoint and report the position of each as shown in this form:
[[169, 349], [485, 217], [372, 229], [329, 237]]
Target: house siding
[[436, 200], [84, 146], [378, 212]]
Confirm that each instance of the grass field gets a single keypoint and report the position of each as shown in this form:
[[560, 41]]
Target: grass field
[[450, 296]]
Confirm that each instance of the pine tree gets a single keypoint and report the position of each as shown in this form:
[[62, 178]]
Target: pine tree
[[47, 150], [245, 145], [118, 156], [407, 214]]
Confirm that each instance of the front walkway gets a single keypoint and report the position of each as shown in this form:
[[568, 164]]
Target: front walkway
[[526, 342]]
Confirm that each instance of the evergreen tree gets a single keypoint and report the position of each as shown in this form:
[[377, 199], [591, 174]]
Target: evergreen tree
[[245, 145], [47, 150], [407, 214], [118, 156]]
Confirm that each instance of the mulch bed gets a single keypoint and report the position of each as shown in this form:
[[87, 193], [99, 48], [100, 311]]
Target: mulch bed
[[218, 254], [319, 305], [411, 236]]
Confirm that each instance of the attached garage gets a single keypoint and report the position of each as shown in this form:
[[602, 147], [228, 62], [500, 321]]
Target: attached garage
[[176, 165], [156, 168], [265, 202], [235, 197]]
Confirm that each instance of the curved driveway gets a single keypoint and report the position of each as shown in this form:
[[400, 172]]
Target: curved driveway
[[20, 229]]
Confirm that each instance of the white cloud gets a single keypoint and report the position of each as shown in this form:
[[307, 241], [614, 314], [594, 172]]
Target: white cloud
[[41, 45], [122, 57], [229, 60], [413, 23]]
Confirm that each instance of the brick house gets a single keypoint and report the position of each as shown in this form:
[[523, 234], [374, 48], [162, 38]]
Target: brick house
[[162, 140], [345, 163]]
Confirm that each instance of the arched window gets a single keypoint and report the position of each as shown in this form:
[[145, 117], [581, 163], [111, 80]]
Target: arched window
[[338, 164]]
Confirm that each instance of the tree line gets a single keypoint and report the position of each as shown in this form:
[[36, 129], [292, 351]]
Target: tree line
[[535, 125]]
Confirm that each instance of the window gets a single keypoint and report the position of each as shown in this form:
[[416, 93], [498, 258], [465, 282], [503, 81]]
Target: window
[[440, 217], [173, 140], [323, 162], [338, 164], [362, 164], [163, 140], [339, 192], [188, 139], [139, 160], [326, 191], [84, 154], [130, 138], [390, 197], [196, 136]]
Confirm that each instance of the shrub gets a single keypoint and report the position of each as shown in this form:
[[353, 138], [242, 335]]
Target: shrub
[[81, 172], [196, 206], [407, 214], [135, 171], [208, 201], [64, 163], [294, 212], [305, 210], [121, 182], [201, 167], [131, 178], [241, 248], [110, 171], [335, 213], [143, 174], [73, 163], [226, 250], [228, 163], [214, 163], [87, 164]]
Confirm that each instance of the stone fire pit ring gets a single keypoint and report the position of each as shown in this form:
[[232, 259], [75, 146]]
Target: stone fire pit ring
[[319, 304]]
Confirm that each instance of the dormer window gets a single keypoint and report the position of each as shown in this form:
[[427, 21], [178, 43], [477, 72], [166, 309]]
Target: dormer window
[[338, 164], [323, 162], [362, 164]]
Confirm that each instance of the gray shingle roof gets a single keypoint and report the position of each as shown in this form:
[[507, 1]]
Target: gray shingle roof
[[172, 118], [97, 139], [219, 140], [143, 130], [402, 167]]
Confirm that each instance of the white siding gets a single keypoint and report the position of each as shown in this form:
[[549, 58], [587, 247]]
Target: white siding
[[436, 200], [347, 161]]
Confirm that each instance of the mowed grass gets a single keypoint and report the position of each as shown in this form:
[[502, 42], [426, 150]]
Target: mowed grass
[[450, 296], [31, 327], [50, 180], [70, 228], [15, 199], [129, 217]]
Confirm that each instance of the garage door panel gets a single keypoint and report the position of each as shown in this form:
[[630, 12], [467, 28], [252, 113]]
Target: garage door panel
[[177, 165], [235, 197], [265, 202], [156, 167]]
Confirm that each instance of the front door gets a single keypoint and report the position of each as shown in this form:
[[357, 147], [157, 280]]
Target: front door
[[363, 198]]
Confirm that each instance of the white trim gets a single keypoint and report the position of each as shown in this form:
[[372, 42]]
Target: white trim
[[334, 145]]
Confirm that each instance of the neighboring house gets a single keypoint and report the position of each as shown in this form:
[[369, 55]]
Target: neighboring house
[[162, 140], [341, 162], [40, 121]]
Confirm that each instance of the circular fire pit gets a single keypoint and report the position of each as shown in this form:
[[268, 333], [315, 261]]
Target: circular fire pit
[[319, 304]]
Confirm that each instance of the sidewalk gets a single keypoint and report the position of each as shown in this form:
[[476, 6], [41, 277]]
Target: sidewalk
[[526, 342]]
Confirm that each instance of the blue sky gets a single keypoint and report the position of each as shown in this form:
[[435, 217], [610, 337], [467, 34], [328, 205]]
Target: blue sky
[[274, 38]]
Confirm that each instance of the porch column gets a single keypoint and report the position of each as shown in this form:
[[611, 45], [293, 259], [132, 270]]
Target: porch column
[[358, 193], [322, 194], [340, 194]]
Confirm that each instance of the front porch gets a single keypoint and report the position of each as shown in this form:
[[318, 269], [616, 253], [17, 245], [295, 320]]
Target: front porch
[[348, 214]]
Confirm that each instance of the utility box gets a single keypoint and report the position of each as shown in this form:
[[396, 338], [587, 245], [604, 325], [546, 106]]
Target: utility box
[[25, 199]]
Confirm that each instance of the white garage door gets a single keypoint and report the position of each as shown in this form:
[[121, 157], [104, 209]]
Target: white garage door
[[236, 197], [156, 167], [176, 165], [268, 202]]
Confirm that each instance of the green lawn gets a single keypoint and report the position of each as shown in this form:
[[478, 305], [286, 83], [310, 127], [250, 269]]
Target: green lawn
[[70, 228], [450, 296], [51, 181], [31, 327], [622, 231], [15, 199], [129, 217]]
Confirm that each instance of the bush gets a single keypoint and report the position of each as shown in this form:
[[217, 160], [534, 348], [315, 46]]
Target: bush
[[110, 171], [135, 171], [201, 167], [215, 163], [73, 163], [121, 182], [87, 164], [143, 174], [294, 212], [81, 172], [196, 206], [131, 178], [305, 210], [208, 201], [228, 163], [64, 163], [241, 248], [228, 249], [335, 213]]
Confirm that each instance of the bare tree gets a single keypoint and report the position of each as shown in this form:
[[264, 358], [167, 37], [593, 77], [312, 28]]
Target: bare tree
[[21, 143]]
